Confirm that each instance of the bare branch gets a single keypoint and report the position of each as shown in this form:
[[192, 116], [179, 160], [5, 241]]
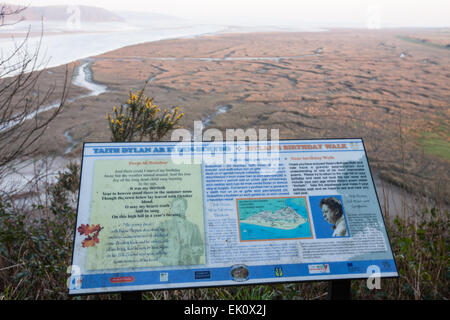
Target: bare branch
[[22, 101], [10, 11]]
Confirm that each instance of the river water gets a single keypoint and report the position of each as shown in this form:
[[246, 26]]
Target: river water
[[58, 46]]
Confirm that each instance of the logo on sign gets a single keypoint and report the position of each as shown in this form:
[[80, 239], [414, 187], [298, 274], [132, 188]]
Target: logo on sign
[[125, 279], [278, 271], [319, 268], [354, 268], [239, 273], [75, 283], [202, 275], [164, 277]]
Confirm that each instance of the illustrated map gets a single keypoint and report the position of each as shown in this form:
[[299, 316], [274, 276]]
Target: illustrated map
[[273, 219]]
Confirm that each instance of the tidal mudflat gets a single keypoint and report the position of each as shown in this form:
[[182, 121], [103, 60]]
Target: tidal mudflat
[[374, 84]]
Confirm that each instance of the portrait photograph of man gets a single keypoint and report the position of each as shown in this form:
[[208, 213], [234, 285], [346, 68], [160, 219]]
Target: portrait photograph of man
[[329, 217]]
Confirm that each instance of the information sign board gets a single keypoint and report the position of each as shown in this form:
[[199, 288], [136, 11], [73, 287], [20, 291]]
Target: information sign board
[[181, 215]]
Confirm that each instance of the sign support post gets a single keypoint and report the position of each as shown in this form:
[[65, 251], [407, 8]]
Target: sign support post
[[133, 295], [339, 289]]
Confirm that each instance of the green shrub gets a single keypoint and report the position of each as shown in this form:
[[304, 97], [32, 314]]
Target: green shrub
[[36, 243], [420, 247]]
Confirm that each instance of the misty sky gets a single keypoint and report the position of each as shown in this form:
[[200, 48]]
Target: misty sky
[[387, 13]]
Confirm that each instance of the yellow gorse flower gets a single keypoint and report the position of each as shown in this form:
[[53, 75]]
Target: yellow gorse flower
[[141, 118]]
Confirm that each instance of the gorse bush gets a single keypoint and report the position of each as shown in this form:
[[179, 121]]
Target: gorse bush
[[140, 119]]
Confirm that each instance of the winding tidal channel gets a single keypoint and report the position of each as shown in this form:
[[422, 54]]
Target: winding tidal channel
[[83, 78], [23, 172]]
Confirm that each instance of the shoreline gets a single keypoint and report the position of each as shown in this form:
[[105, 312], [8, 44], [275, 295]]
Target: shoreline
[[101, 41]]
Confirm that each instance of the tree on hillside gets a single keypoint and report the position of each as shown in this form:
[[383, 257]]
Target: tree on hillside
[[22, 100]]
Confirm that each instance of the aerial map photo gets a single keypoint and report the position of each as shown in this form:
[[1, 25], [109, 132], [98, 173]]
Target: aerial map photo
[[273, 219]]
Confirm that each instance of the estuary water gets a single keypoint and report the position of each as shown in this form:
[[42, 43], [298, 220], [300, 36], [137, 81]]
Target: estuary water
[[62, 43]]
